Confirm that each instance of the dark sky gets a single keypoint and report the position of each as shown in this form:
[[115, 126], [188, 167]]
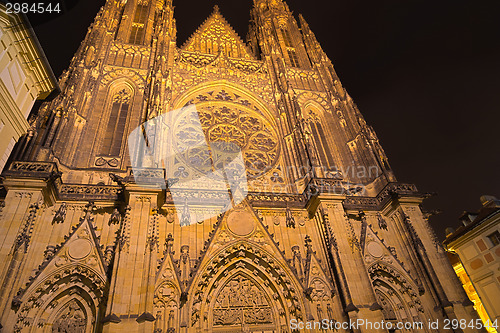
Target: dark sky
[[425, 74]]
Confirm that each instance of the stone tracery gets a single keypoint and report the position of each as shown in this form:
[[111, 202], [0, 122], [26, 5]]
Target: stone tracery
[[166, 305], [395, 293], [229, 125], [245, 265]]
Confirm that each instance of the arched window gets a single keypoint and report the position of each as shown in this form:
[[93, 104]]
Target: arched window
[[286, 37], [113, 136], [138, 24], [294, 60], [319, 136], [290, 49]]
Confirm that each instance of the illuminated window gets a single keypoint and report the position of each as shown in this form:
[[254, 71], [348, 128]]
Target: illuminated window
[[292, 55], [113, 136], [321, 144], [494, 238], [294, 61], [286, 37], [138, 24]]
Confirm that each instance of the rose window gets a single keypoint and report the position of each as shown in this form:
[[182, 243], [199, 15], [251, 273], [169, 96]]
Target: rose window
[[227, 129]]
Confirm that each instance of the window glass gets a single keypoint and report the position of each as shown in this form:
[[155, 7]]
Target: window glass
[[113, 136], [137, 32], [494, 238]]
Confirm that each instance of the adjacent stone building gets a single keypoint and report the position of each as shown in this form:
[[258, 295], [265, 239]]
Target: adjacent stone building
[[25, 76], [477, 244], [92, 232]]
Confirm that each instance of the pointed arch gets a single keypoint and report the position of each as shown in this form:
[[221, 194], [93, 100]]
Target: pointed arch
[[240, 300], [320, 290], [395, 292], [115, 120], [63, 307], [250, 259], [71, 314], [239, 95], [43, 303], [166, 304], [316, 120], [113, 136]]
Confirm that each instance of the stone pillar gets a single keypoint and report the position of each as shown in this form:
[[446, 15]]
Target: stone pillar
[[454, 302], [364, 304], [130, 303], [21, 214]]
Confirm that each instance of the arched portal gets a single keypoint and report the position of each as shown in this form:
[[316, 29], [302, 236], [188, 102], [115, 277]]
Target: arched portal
[[71, 311], [245, 288], [396, 294], [68, 299], [71, 318]]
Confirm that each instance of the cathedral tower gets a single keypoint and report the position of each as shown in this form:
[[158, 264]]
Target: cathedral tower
[[121, 212]]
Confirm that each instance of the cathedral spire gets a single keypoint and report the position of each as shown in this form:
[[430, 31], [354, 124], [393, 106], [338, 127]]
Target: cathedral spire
[[277, 29], [139, 19], [137, 35], [313, 48]]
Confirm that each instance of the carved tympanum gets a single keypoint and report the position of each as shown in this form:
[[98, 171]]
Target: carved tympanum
[[71, 320], [241, 302]]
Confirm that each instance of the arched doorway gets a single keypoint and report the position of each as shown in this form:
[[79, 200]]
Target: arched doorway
[[244, 288]]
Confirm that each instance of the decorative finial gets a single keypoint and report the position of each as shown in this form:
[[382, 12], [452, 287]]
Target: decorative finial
[[216, 9]]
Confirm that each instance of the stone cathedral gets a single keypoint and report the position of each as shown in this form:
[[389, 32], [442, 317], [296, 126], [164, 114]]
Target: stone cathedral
[[321, 229]]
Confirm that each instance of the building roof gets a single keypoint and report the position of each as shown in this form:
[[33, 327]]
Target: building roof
[[491, 207]]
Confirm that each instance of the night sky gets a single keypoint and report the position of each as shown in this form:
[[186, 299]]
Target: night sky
[[425, 74]]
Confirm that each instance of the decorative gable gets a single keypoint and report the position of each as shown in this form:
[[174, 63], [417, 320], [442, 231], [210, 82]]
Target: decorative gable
[[67, 290], [216, 35]]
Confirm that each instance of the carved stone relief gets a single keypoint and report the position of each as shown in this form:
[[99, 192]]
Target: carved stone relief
[[71, 319], [241, 302]]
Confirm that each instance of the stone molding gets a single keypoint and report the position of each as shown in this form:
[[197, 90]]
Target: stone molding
[[74, 192]]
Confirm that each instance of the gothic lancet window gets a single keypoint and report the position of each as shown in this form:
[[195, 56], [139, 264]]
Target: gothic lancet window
[[294, 61], [321, 144], [113, 136], [138, 25], [286, 37], [292, 55]]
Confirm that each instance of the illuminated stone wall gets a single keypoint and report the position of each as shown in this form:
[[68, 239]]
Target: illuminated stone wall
[[325, 231]]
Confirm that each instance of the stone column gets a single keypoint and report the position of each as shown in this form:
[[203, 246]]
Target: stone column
[[130, 303], [364, 304]]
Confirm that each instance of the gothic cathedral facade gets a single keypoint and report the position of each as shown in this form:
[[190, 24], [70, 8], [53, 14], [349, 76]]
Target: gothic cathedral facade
[[323, 231]]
